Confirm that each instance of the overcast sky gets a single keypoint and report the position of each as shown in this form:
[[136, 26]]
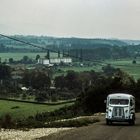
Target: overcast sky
[[77, 18]]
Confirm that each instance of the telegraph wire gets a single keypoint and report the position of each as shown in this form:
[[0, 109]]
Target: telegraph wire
[[101, 63]]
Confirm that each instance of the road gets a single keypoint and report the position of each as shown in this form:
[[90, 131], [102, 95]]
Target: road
[[100, 131]]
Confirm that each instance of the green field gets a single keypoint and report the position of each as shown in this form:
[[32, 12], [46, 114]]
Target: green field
[[23, 110], [127, 66], [19, 56], [80, 69], [124, 64]]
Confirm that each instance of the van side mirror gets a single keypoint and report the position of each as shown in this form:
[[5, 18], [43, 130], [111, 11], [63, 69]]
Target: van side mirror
[[105, 101]]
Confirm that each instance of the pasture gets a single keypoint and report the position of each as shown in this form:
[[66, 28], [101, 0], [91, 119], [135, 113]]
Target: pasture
[[19, 110], [127, 66], [124, 64], [19, 56]]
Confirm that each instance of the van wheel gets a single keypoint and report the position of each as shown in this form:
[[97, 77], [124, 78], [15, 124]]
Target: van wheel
[[108, 122], [132, 122]]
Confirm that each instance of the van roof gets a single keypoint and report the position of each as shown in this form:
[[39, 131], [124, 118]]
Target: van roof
[[122, 95]]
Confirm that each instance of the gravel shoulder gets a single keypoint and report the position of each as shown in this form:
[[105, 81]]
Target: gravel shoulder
[[11, 134], [38, 133]]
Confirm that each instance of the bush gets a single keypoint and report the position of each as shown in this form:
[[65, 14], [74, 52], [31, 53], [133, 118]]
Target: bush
[[7, 122]]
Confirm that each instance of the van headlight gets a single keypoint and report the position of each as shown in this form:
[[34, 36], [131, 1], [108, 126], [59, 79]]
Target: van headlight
[[126, 111]]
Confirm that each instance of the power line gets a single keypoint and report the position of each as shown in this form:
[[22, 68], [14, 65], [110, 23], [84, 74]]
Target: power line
[[40, 47], [101, 63]]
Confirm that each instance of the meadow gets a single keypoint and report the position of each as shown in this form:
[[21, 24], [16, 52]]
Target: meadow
[[19, 56], [127, 66], [124, 64], [23, 110]]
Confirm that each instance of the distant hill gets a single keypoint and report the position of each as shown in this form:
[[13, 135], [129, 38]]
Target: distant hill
[[61, 43], [132, 42]]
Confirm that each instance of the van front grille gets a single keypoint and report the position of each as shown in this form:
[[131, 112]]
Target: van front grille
[[118, 112]]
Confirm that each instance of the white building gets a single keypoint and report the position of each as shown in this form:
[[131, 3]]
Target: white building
[[66, 60], [54, 61], [43, 61]]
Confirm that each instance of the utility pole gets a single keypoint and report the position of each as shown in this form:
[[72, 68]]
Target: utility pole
[[59, 54], [81, 55]]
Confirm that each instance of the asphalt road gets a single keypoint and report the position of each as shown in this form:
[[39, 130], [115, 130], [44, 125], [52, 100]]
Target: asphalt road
[[100, 131]]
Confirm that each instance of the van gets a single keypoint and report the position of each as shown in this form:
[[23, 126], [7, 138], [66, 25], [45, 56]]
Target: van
[[120, 107]]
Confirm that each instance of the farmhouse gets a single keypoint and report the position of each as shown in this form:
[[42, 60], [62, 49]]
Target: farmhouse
[[54, 61], [43, 61]]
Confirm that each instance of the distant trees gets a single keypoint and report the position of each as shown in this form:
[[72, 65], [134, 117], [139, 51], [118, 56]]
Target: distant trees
[[5, 80], [92, 100], [134, 62], [47, 55], [37, 57], [60, 82], [25, 60], [109, 70], [41, 96], [5, 72], [92, 53], [74, 80], [36, 80], [101, 52], [70, 81], [11, 60], [3, 48]]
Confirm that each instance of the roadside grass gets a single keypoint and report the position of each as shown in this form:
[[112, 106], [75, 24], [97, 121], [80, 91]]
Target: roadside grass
[[19, 110], [74, 122]]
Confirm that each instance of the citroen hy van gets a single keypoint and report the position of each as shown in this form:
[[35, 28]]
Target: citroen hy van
[[120, 107]]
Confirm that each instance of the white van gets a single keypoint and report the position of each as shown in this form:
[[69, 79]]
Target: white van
[[120, 107]]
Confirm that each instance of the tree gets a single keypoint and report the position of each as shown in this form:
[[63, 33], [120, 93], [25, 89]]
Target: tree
[[41, 81], [41, 96], [37, 57], [72, 80], [25, 59], [36, 80], [109, 70], [59, 54], [48, 55], [5, 72], [134, 62], [60, 82], [11, 60]]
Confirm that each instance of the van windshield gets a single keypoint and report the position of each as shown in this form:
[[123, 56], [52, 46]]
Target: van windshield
[[119, 101]]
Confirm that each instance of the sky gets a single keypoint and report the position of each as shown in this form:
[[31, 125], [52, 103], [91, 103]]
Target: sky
[[71, 18]]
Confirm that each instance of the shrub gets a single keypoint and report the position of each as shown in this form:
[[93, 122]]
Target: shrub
[[15, 107], [7, 122]]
